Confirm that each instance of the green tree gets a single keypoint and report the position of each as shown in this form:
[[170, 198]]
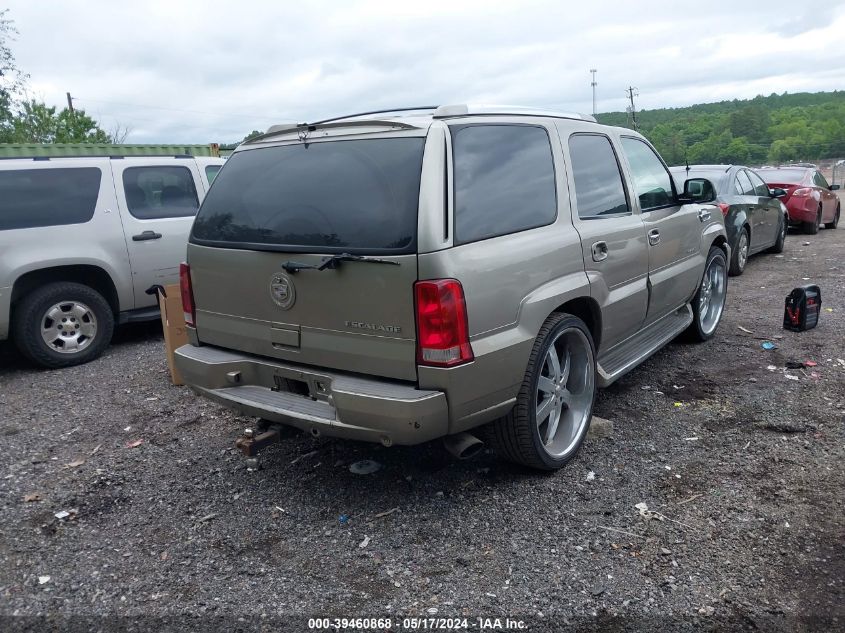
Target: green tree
[[783, 150], [78, 127], [737, 152], [12, 80], [809, 126], [669, 143], [39, 123], [251, 136], [752, 122]]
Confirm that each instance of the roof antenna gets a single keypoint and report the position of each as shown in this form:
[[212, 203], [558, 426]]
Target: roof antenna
[[686, 160]]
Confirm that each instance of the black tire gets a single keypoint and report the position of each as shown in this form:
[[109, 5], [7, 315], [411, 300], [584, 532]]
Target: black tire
[[516, 437], [696, 332], [835, 223], [811, 228], [30, 313], [777, 247], [738, 262]]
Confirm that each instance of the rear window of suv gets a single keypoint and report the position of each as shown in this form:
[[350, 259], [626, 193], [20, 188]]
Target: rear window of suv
[[47, 197], [504, 180], [330, 196]]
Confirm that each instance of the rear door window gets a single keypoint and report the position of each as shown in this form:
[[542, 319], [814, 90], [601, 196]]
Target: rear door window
[[760, 188], [332, 196], [599, 191], [48, 197], [163, 191], [745, 186], [504, 180]]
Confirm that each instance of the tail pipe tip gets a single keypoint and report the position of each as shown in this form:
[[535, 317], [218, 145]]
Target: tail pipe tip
[[463, 445]]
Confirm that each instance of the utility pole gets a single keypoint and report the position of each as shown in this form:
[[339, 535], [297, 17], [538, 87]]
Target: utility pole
[[69, 103], [593, 83], [632, 92]]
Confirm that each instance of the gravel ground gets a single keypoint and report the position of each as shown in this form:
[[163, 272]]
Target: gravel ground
[[743, 464]]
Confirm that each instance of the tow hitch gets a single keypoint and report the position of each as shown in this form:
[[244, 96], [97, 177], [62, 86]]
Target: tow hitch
[[250, 442]]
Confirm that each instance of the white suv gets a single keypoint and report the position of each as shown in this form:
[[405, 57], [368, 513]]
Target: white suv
[[81, 241]]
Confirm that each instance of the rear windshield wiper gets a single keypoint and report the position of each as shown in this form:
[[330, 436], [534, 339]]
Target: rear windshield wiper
[[333, 262]]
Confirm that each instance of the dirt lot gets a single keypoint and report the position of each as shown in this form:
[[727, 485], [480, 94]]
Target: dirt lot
[[744, 463]]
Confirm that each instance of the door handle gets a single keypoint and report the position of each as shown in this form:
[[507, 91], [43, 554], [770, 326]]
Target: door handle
[[654, 237], [599, 251], [703, 215], [146, 235]]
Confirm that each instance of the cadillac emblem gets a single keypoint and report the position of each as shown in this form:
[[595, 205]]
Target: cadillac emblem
[[282, 291]]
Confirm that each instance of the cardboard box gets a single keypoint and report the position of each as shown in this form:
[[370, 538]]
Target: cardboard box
[[173, 323]]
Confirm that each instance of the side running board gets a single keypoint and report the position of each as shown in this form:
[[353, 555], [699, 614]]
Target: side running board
[[623, 357]]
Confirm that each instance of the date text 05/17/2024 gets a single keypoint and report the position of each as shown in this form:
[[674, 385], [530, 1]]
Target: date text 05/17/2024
[[418, 624]]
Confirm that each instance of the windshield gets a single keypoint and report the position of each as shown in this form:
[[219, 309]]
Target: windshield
[[784, 176], [358, 196]]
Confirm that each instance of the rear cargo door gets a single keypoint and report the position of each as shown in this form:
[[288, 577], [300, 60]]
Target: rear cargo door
[[306, 252]]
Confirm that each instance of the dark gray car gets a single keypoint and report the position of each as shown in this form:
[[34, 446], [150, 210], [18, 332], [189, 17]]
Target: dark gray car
[[755, 218]]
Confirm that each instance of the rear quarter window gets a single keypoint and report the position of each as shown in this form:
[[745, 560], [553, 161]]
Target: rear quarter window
[[32, 198], [211, 172], [504, 180]]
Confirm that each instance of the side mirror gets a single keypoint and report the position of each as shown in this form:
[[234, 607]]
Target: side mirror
[[834, 187], [777, 192], [698, 190]]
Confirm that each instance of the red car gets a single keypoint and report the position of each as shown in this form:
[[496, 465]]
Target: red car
[[809, 199]]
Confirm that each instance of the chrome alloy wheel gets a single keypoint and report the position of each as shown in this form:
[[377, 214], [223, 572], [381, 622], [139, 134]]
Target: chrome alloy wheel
[[742, 250], [68, 327], [564, 394], [712, 296]]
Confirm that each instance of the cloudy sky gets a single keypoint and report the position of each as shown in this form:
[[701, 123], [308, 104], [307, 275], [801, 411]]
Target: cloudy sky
[[195, 72]]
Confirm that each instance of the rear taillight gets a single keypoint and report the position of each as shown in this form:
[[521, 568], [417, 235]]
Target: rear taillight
[[188, 309], [803, 192], [725, 208], [442, 330]]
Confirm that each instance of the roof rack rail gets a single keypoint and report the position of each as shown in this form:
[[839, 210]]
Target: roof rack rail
[[109, 156], [287, 127], [352, 116], [437, 112], [284, 128], [463, 109]]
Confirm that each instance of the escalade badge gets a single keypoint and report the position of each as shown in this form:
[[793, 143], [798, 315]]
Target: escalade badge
[[282, 290]]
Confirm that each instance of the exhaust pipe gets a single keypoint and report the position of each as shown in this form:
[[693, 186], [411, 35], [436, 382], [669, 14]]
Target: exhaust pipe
[[463, 445]]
